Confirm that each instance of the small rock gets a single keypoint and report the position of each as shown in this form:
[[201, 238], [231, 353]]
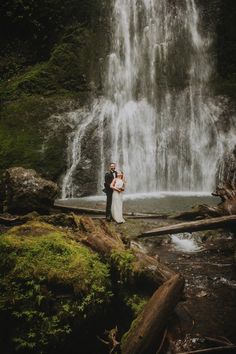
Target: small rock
[[202, 294]]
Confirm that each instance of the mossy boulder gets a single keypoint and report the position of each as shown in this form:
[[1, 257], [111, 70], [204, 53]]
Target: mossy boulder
[[24, 191], [49, 285]]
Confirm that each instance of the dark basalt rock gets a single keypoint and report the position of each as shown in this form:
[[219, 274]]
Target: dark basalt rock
[[24, 190]]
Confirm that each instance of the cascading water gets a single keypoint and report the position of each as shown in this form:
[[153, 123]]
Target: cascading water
[[186, 243], [157, 119]]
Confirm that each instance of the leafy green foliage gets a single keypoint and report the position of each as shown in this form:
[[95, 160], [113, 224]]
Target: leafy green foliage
[[135, 302], [33, 27], [123, 262], [65, 71], [48, 284]]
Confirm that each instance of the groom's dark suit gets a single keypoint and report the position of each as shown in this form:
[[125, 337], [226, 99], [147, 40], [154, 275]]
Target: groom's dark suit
[[109, 176]]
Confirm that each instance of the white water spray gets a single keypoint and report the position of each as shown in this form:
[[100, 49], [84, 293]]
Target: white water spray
[[186, 243]]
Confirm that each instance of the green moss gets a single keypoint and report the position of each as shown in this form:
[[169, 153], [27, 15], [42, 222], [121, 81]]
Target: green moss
[[48, 281], [135, 303], [24, 132], [33, 75], [67, 70], [123, 262], [52, 87], [124, 338]]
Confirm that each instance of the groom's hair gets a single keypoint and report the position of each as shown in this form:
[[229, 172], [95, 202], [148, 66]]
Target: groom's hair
[[112, 163]]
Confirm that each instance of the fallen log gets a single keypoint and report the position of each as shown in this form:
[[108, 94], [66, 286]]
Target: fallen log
[[191, 226], [145, 216], [225, 349], [94, 211], [147, 328], [74, 208], [13, 221], [9, 221], [102, 239]]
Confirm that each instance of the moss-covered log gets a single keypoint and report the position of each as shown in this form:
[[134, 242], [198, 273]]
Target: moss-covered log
[[50, 285], [138, 265]]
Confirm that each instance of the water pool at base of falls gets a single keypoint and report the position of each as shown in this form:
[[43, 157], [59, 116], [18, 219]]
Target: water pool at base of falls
[[156, 202]]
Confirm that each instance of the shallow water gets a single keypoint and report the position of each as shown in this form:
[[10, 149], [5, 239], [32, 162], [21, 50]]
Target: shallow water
[[210, 284], [159, 202]]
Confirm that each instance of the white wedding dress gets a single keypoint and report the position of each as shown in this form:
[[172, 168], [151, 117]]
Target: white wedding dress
[[117, 202]]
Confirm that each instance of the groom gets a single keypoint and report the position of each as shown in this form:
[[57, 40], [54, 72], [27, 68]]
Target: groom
[[109, 176]]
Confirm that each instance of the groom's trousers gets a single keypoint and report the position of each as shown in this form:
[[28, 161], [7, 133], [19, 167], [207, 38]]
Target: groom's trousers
[[108, 205]]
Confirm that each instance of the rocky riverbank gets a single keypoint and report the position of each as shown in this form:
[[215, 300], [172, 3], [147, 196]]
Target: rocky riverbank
[[57, 295]]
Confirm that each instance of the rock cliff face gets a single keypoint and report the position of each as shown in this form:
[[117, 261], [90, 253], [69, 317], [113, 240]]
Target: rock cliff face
[[52, 60]]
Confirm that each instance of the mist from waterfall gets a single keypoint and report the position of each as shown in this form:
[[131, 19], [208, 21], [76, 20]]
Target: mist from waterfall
[[157, 118]]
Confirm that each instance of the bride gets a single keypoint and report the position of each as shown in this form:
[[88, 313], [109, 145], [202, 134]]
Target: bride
[[118, 187]]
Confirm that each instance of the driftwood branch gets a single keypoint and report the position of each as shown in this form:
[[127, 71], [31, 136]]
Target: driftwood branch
[[111, 341]]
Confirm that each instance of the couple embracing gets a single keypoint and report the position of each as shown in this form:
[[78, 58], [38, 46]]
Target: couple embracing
[[114, 187]]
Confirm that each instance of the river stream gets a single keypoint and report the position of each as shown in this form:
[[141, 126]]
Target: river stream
[[206, 260]]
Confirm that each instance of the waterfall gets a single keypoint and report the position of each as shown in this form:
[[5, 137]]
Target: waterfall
[[157, 117]]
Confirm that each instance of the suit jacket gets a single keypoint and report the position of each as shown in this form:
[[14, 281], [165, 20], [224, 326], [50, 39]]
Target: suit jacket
[[108, 179]]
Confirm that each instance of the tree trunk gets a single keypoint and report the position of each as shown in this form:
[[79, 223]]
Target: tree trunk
[[147, 328]]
